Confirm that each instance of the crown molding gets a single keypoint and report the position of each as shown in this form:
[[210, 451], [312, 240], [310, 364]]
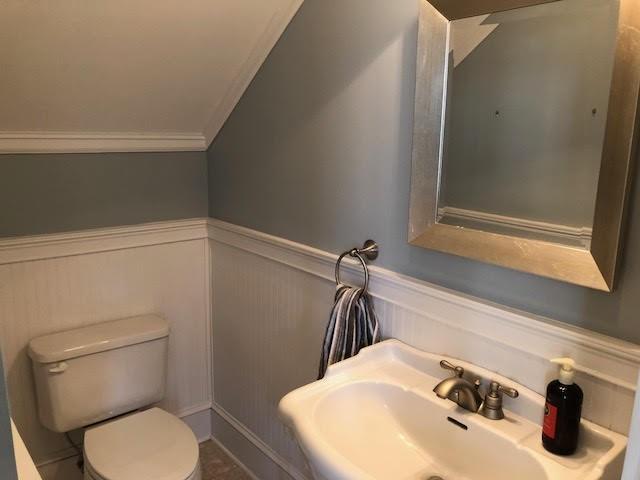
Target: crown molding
[[63, 142], [17, 142], [275, 28]]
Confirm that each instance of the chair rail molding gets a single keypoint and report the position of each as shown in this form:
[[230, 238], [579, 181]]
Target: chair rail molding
[[534, 338], [540, 336], [56, 245]]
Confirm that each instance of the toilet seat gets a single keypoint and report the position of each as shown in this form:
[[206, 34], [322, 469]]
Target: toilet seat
[[150, 445]]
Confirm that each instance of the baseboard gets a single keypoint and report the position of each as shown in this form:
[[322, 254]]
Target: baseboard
[[235, 459], [63, 469], [248, 450], [199, 420]]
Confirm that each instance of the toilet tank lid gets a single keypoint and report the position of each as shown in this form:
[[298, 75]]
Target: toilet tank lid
[[97, 338]]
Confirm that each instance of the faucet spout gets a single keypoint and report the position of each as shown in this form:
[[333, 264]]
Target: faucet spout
[[460, 391]]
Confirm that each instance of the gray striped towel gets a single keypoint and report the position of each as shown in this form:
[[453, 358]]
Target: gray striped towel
[[352, 325]]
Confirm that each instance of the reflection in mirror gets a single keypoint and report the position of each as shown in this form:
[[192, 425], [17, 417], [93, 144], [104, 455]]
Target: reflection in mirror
[[527, 93]]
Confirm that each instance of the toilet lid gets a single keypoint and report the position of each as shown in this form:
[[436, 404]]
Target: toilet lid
[[150, 445]]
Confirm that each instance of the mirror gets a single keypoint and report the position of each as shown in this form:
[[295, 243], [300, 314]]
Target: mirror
[[525, 128]]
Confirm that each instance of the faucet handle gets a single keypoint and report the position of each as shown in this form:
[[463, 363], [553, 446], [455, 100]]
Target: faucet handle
[[495, 388], [492, 406], [459, 371]]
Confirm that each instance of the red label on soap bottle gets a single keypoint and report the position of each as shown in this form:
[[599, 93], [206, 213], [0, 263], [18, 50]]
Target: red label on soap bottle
[[550, 419]]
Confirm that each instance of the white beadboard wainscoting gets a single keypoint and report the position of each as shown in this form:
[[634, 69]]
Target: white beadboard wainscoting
[[50, 283], [270, 302], [247, 313]]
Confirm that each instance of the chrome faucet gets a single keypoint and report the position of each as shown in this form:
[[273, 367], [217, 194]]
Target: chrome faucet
[[458, 389], [466, 394]]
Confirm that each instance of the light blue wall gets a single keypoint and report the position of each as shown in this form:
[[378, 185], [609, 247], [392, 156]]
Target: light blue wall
[[7, 461], [62, 192], [319, 151]]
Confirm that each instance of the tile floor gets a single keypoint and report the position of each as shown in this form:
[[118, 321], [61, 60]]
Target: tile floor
[[217, 465]]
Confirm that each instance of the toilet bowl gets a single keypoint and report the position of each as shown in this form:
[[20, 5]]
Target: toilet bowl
[[149, 445]]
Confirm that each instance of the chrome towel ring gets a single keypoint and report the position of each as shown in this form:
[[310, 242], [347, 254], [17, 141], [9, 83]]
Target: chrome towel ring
[[370, 250]]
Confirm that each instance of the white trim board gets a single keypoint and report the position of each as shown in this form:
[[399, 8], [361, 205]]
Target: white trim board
[[580, 235], [66, 142], [56, 245], [231, 455]]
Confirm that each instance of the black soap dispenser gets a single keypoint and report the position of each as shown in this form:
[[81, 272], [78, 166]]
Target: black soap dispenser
[[562, 411]]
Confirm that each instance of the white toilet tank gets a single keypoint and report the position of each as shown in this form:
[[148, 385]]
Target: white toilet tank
[[90, 374]]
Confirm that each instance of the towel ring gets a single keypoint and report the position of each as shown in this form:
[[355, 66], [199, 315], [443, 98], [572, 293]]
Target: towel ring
[[370, 250]]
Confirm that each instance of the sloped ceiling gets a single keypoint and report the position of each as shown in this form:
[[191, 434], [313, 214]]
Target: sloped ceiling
[[128, 75]]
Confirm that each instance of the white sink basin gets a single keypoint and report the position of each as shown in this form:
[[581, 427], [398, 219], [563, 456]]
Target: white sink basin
[[375, 416]]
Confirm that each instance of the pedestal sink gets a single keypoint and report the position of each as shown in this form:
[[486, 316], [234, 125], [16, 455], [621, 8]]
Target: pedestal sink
[[375, 416]]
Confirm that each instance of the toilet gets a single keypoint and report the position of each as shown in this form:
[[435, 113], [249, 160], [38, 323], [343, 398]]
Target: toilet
[[105, 378]]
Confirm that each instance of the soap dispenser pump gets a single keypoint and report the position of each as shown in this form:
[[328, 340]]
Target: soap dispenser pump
[[562, 411]]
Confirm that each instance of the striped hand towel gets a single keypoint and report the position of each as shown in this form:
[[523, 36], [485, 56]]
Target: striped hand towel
[[352, 325]]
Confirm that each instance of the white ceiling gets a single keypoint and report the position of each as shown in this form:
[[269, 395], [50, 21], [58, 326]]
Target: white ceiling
[[128, 75]]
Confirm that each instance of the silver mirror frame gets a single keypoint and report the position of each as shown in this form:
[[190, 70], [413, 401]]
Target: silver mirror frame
[[594, 268]]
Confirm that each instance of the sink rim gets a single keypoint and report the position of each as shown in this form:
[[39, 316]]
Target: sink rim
[[297, 408]]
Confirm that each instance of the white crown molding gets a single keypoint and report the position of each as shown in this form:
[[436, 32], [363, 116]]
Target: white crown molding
[[16, 142], [249, 69], [68, 142], [63, 142]]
